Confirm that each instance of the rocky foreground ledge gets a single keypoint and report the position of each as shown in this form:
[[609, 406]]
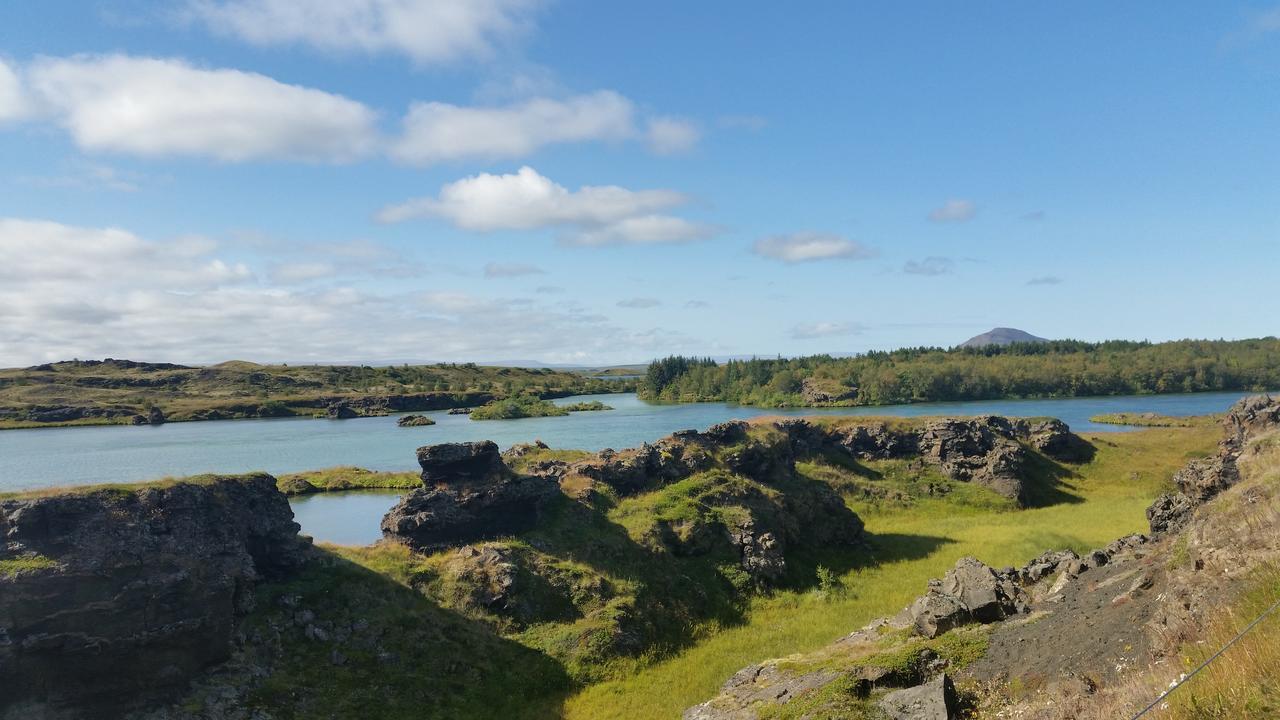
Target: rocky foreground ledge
[[112, 599], [1067, 628]]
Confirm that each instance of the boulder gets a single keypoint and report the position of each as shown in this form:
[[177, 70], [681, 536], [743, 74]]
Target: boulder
[[969, 592], [415, 421], [462, 463], [1055, 439], [934, 700], [468, 494], [433, 518], [155, 416], [987, 595]]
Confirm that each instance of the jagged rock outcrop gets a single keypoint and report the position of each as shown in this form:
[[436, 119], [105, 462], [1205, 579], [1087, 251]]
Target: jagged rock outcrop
[[123, 595], [979, 450], [1055, 439], [469, 494], [1205, 478], [819, 392], [415, 421], [761, 552]]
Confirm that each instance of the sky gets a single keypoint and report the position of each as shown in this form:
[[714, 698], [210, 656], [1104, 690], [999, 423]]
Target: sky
[[578, 182]]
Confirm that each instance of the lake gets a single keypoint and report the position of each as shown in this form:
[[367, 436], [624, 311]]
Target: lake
[[118, 453]]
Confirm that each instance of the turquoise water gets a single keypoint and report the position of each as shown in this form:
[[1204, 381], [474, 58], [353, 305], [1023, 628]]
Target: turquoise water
[[84, 455], [119, 453]]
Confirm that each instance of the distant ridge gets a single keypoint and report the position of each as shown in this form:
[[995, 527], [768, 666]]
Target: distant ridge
[[1001, 336]]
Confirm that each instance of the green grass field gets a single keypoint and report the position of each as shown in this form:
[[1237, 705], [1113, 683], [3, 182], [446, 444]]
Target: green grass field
[[1106, 499]]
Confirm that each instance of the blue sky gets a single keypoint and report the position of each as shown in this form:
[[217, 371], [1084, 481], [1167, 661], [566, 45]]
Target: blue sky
[[600, 183]]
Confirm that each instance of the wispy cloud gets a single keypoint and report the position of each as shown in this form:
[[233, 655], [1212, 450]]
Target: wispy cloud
[[427, 31], [1045, 280], [811, 331], [511, 269], [810, 247], [932, 265], [639, 303], [671, 136], [953, 211]]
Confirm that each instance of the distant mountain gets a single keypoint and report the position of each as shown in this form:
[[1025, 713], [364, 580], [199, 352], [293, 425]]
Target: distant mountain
[[1001, 336]]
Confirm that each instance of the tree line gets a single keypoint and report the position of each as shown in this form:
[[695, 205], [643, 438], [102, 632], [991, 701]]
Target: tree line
[[1061, 368]]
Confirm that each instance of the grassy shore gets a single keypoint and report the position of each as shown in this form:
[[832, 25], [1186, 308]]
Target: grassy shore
[[346, 477], [1105, 500], [1154, 420]]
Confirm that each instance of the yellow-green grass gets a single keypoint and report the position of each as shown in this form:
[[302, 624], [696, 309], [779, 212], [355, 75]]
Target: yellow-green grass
[[1104, 500], [1245, 681], [346, 477], [12, 567], [125, 488]]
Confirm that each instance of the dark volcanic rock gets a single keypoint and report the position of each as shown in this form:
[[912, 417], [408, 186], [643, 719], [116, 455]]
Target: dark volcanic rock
[[136, 591], [415, 421], [969, 592], [760, 552], [1205, 478], [977, 450], [433, 518], [1170, 512], [469, 495], [877, 442], [934, 700], [1055, 439], [461, 463]]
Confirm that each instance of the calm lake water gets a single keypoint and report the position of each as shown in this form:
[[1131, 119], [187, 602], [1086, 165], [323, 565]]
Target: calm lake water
[[76, 456]]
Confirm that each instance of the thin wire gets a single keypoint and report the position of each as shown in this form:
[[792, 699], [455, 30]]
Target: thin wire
[[1205, 664]]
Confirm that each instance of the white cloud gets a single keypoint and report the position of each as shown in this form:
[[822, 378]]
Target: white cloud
[[84, 292], [88, 176], [161, 107], [670, 136], [810, 246], [811, 331], [643, 230], [300, 272], [527, 200], [511, 269], [932, 265], [953, 211], [13, 100], [428, 31], [437, 132]]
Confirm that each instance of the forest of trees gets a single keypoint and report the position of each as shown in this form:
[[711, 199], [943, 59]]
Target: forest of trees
[[1064, 368]]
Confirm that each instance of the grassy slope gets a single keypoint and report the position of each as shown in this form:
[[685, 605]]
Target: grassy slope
[[1106, 500]]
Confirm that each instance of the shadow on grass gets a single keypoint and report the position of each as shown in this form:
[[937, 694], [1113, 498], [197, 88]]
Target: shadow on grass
[[355, 644], [1047, 483], [880, 549]]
